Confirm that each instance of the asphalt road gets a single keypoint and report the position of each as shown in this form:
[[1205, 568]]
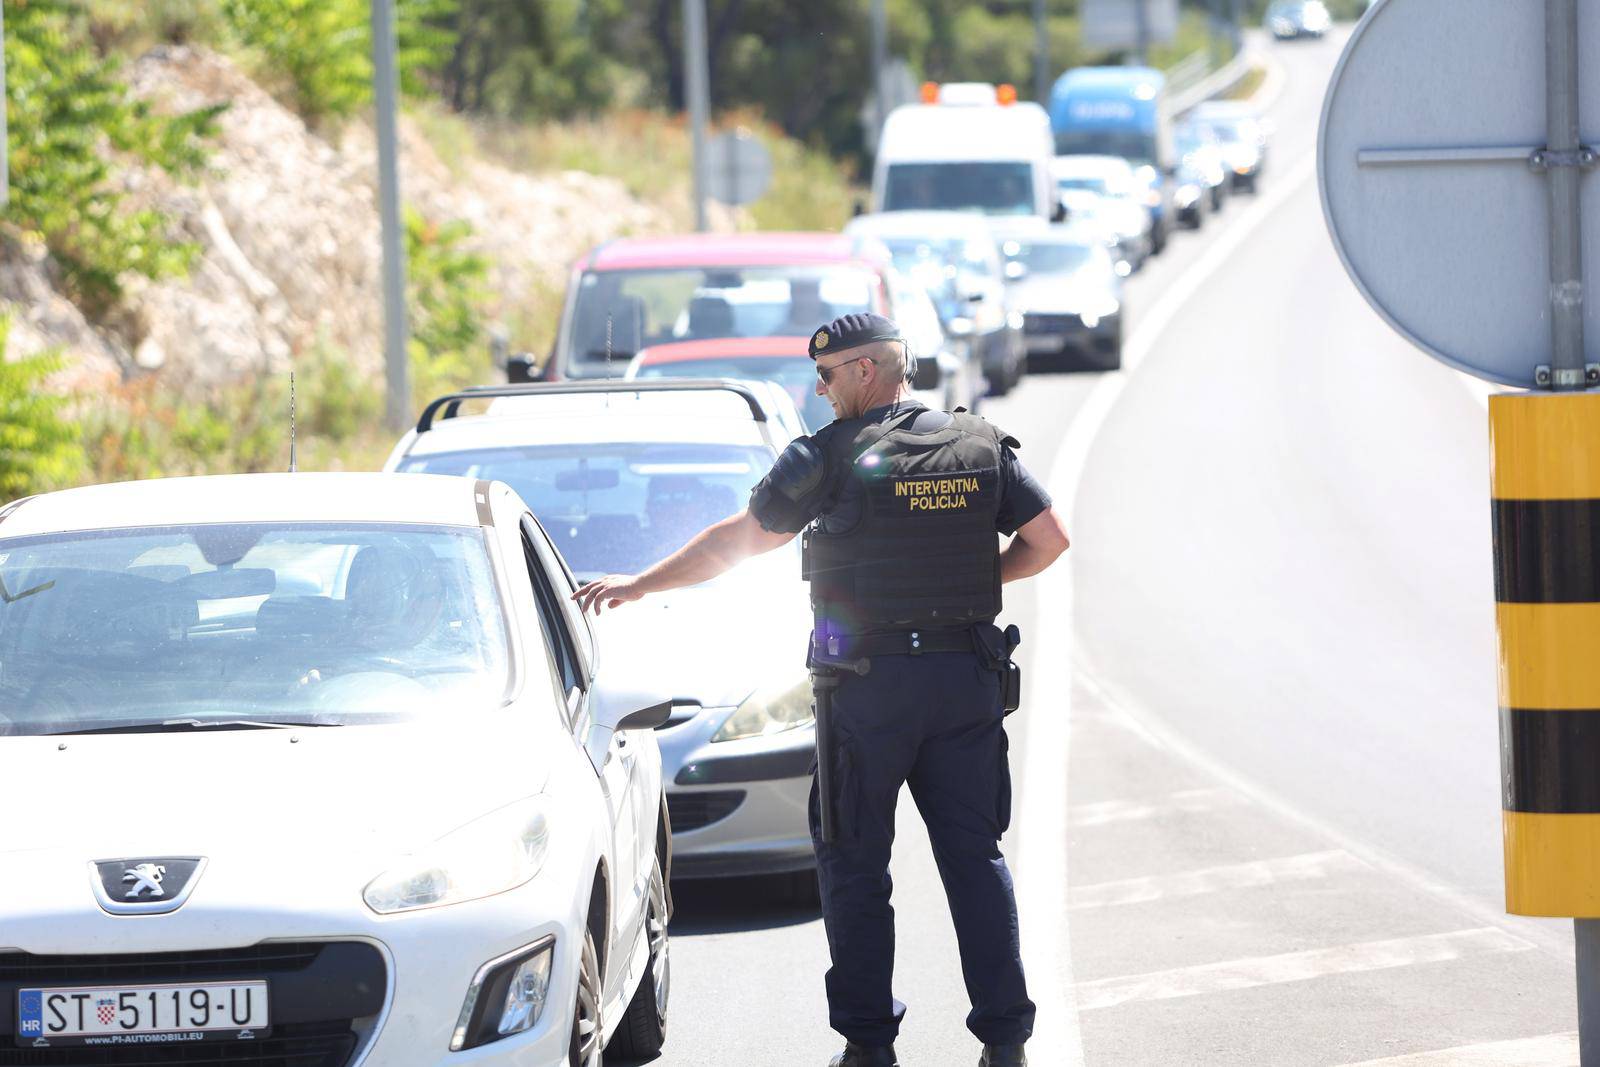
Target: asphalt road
[[1257, 779]]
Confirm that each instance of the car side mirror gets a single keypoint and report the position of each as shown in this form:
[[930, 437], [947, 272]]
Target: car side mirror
[[619, 708], [1059, 212], [520, 368]]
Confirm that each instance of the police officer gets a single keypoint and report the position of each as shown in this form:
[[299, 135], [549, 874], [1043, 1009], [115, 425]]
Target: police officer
[[902, 508]]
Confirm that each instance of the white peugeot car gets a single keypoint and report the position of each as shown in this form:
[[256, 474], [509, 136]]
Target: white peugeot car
[[317, 770], [622, 474]]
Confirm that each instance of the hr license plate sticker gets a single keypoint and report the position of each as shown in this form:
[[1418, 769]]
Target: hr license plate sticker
[[142, 1015]]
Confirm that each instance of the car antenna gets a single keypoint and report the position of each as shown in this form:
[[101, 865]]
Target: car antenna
[[609, 319], [292, 465]]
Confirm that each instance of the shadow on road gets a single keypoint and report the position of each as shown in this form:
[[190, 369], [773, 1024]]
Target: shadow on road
[[737, 905]]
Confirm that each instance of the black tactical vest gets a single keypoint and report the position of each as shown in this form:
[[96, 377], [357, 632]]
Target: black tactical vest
[[925, 554]]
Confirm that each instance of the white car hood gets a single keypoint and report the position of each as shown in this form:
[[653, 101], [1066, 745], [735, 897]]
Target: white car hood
[[714, 643], [368, 793]]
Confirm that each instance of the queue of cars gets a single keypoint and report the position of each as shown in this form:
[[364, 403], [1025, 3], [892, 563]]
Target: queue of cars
[[398, 798]]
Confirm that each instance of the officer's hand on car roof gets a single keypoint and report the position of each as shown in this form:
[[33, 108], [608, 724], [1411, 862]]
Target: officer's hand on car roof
[[611, 591]]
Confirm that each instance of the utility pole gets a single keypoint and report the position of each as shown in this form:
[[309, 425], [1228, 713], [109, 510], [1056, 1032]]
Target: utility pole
[[1041, 55], [880, 63], [384, 90], [1141, 14], [696, 86]]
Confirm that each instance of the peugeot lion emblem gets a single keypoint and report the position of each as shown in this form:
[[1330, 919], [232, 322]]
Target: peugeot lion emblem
[[146, 876], [145, 885]]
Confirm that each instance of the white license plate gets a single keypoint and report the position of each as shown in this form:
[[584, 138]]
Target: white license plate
[[141, 1015]]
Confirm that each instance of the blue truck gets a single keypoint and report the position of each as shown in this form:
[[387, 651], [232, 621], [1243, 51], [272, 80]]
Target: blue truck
[[1120, 111]]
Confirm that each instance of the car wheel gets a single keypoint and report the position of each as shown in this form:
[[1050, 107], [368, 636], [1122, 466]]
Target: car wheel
[[644, 1026], [585, 1048], [999, 384]]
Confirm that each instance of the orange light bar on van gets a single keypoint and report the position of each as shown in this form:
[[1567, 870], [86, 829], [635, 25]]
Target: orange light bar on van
[[930, 92], [1005, 94]]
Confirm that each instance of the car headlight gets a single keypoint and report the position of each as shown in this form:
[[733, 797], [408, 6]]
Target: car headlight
[[1152, 197], [490, 855], [769, 711]]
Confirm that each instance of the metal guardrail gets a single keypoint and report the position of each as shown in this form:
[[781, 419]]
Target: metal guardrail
[[1225, 78], [1189, 70]]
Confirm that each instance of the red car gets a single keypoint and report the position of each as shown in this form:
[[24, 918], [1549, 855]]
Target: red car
[[645, 291], [785, 360]]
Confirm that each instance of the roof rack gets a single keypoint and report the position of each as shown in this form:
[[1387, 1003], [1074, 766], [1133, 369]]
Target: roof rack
[[449, 406]]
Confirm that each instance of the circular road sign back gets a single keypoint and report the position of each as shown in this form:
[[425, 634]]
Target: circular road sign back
[[738, 168], [1435, 111]]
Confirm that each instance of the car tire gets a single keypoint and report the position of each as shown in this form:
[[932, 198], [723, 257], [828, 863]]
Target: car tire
[[999, 385], [1158, 239], [585, 1049], [643, 1029]]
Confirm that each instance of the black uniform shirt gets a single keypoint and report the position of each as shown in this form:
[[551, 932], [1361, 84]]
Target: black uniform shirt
[[1022, 498]]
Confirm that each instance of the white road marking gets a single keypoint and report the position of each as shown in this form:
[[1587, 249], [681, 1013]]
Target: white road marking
[[1041, 864], [1305, 868], [1296, 967], [1551, 937], [1553, 1050], [1189, 801]]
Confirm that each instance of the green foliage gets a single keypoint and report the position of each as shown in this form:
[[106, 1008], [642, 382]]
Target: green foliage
[[445, 291], [70, 123], [514, 58], [39, 447], [322, 49]]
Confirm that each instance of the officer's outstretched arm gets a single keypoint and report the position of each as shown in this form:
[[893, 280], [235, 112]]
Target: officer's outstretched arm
[[1039, 543], [713, 550]]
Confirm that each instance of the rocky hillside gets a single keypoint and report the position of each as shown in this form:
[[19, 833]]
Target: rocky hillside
[[286, 223]]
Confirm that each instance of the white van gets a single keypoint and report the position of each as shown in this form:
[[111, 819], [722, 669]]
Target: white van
[[968, 147]]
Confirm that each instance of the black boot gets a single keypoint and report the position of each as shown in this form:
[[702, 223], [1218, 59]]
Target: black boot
[[1003, 1056], [855, 1055]]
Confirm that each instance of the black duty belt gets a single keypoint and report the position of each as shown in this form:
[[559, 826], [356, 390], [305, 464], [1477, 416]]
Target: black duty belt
[[903, 643]]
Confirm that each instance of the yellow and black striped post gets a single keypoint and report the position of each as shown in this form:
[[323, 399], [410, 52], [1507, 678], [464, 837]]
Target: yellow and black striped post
[[1545, 482]]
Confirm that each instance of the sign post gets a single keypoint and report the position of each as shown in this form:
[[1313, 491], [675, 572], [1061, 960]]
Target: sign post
[[1466, 234], [384, 90], [697, 89]]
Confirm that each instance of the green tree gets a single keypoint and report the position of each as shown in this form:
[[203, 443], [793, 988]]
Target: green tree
[[444, 295], [71, 123], [39, 447], [322, 49]]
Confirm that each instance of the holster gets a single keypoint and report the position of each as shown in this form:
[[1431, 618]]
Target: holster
[[994, 647], [825, 671]]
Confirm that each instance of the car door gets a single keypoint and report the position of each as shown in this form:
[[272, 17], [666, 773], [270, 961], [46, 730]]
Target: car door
[[619, 771]]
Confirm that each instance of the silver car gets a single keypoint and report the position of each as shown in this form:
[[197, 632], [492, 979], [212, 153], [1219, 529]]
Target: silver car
[[1070, 295]]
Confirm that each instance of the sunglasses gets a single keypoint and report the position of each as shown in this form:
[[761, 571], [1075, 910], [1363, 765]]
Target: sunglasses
[[826, 373]]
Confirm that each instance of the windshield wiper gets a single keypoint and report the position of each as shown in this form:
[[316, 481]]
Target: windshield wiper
[[173, 725]]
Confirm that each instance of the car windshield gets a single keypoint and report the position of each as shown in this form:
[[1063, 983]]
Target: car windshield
[[797, 375], [616, 508], [1138, 147], [1052, 257], [1003, 188], [260, 622], [1233, 131], [621, 311]]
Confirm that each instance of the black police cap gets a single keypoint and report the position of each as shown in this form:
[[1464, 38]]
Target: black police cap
[[853, 331]]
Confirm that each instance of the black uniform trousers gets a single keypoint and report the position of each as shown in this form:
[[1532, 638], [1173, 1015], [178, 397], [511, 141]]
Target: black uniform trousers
[[934, 721]]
